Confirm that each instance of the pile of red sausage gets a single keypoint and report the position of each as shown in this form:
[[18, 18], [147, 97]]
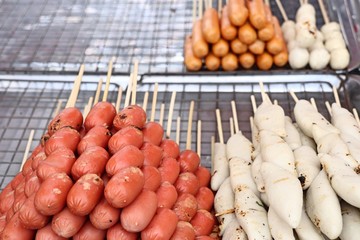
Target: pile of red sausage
[[245, 35], [112, 176]]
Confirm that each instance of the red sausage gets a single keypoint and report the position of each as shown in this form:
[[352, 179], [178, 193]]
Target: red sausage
[[92, 160], [184, 230], [128, 156], [32, 184], [7, 200], [205, 198], [189, 161], [2, 223], [29, 217], [19, 178], [152, 154], [203, 175], [4, 192], [18, 202], [104, 215], [41, 156], [36, 150], [169, 170], [89, 232], [69, 117], [61, 160], [96, 136], [50, 199], [101, 114], [117, 232], [153, 133], [66, 224], [166, 195], [185, 207], [152, 177], [126, 136], [136, 216], [14, 230], [162, 226], [124, 187], [20, 188], [170, 148], [27, 169], [132, 115], [46, 233], [203, 222], [85, 194], [187, 183], [64, 137], [10, 213]]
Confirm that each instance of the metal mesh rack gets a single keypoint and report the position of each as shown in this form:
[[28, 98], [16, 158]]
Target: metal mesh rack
[[57, 36], [26, 105]]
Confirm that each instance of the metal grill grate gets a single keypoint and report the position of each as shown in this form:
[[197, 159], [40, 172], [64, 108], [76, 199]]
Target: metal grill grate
[[26, 105], [57, 36]]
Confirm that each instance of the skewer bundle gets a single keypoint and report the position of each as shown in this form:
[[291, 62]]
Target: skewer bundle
[[242, 33], [293, 180], [108, 173]]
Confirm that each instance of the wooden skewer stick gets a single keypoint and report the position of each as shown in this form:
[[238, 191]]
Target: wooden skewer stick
[[356, 116], [108, 77], [88, 107], [282, 10], [219, 7], [75, 91], [267, 2], [336, 96], [134, 86], [252, 124], [98, 90], [118, 99], [293, 95], [189, 130], [200, 9], [178, 126], [170, 116], [301, 2], [27, 148], [323, 11], [313, 103], [219, 126], [128, 91], [276, 102], [58, 107], [212, 140], [328, 107], [199, 138], [153, 106], [264, 96], [145, 102], [253, 103], [235, 117], [161, 118], [232, 129]]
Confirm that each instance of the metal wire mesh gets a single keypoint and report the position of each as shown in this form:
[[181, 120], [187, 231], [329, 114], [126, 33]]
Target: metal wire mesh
[[42, 35], [26, 105]]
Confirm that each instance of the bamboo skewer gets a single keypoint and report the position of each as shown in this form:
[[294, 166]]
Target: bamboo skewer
[[200, 9], [134, 85], [128, 91], [219, 126], [199, 138], [212, 144], [178, 126], [282, 10], [232, 129], [356, 116], [293, 95], [336, 96], [145, 102], [253, 103], [170, 116], [58, 107], [323, 11], [153, 106], [27, 148], [264, 96], [98, 90], [189, 130], [88, 107], [162, 110], [328, 107], [235, 117], [118, 99], [313, 103], [75, 91], [108, 77], [219, 7]]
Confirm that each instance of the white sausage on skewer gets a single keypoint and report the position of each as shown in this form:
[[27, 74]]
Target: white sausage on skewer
[[323, 207], [351, 220], [284, 192], [255, 172], [279, 229], [305, 140], [234, 232], [224, 205], [307, 230], [292, 135], [221, 166]]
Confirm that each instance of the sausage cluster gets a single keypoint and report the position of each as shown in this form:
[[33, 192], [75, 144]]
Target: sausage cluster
[[110, 175], [245, 35]]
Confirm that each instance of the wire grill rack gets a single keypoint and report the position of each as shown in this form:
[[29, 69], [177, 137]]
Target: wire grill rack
[[26, 105], [57, 36]]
